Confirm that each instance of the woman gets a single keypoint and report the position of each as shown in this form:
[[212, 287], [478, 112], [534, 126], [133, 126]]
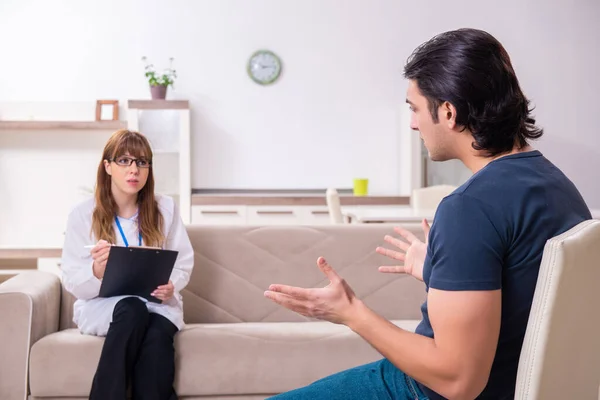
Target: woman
[[125, 211]]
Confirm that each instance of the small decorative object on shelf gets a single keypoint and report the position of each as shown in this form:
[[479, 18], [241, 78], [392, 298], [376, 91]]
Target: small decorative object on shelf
[[159, 82], [103, 109]]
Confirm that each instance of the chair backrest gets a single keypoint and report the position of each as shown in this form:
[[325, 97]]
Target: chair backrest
[[428, 198], [334, 207], [560, 358]]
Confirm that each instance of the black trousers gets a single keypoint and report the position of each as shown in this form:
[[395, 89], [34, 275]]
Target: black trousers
[[139, 350]]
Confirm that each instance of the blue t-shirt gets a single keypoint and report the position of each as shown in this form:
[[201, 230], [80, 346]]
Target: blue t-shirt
[[490, 234]]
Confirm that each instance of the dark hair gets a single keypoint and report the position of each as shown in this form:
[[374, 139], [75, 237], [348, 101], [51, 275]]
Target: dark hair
[[470, 69]]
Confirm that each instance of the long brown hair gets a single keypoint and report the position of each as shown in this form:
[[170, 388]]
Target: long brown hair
[[150, 220]]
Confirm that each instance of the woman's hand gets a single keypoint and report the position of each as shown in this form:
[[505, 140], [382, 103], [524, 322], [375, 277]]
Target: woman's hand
[[164, 292], [100, 255]]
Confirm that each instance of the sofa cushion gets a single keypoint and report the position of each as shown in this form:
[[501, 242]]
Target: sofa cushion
[[214, 359]]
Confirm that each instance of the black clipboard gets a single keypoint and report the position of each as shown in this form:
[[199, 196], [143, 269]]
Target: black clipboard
[[137, 271]]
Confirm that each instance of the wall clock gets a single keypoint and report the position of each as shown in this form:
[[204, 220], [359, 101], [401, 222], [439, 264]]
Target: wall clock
[[264, 67]]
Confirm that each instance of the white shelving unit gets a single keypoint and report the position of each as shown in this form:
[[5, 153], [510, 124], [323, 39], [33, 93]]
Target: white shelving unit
[[171, 163], [410, 159], [260, 215]]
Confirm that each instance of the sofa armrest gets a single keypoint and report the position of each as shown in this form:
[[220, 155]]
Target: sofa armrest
[[29, 310]]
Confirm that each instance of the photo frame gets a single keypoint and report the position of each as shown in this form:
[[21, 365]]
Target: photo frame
[[103, 110]]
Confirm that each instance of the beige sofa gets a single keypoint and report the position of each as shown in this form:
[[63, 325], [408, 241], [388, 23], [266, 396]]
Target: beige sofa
[[237, 344]]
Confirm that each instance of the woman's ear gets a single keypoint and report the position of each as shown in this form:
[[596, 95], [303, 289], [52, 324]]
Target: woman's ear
[[107, 167]]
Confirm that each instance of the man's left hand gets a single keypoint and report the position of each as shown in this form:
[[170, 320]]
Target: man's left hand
[[334, 303]]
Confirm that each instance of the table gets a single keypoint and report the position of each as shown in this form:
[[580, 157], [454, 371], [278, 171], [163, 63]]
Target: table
[[399, 215], [396, 215]]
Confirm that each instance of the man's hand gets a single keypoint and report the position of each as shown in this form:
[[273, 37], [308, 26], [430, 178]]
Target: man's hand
[[164, 292], [100, 255], [334, 303], [412, 253]]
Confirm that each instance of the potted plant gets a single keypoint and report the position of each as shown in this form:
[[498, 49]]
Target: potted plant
[[159, 81]]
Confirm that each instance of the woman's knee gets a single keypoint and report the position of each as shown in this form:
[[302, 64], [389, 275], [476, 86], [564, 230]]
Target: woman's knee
[[131, 309], [160, 329]]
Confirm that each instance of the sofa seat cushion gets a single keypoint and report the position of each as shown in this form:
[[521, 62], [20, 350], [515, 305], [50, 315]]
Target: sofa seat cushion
[[214, 359]]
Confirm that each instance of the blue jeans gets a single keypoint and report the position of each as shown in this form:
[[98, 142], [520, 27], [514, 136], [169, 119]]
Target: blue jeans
[[380, 380]]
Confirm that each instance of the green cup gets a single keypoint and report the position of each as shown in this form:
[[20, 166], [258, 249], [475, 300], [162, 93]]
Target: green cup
[[361, 187]]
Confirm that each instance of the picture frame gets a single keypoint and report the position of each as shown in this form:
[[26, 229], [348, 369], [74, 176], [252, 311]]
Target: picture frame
[[103, 110]]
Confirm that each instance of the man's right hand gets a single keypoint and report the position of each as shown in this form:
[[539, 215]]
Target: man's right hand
[[100, 255], [413, 252]]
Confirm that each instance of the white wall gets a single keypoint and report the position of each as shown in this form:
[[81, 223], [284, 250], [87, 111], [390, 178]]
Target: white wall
[[340, 85], [333, 114]]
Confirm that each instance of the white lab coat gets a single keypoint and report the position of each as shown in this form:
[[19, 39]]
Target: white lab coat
[[92, 314]]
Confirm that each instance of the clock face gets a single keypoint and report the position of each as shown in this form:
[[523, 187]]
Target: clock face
[[264, 67]]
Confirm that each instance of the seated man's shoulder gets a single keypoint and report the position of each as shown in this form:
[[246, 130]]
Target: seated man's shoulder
[[470, 213], [488, 192], [465, 201]]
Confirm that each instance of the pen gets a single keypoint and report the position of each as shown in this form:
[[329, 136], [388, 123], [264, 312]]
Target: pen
[[91, 246]]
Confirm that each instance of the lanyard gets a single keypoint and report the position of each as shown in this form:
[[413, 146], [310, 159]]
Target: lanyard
[[123, 234]]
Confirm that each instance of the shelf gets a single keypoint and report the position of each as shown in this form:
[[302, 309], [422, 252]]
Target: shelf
[[47, 125], [12, 272], [300, 199], [158, 104], [25, 252]]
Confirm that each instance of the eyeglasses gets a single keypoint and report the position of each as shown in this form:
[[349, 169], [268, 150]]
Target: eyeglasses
[[127, 161]]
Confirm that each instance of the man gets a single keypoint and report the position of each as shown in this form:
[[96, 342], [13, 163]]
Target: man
[[481, 260]]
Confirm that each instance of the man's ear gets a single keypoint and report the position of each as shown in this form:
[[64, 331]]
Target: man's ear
[[448, 114], [107, 167]]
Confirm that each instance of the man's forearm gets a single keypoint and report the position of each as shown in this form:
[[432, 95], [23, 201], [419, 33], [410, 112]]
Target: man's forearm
[[414, 354]]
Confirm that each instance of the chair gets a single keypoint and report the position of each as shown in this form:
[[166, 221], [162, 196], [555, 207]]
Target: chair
[[334, 207], [428, 198], [560, 358]]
